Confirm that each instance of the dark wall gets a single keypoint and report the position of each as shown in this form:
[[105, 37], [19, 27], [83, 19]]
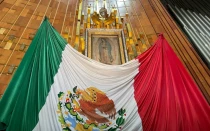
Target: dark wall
[[199, 6]]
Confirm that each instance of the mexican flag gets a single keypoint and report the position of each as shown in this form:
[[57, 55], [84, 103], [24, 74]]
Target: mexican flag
[[56, 88]]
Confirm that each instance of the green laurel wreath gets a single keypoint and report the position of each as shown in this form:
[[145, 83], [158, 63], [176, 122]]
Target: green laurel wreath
[[119, 121]]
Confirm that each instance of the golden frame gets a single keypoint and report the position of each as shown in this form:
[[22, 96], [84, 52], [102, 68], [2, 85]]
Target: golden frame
[[114, 36]]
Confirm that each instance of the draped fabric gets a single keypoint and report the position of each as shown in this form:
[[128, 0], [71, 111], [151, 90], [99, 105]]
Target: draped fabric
[[57, 88], [115, 81], [29, 87], [167, 97]]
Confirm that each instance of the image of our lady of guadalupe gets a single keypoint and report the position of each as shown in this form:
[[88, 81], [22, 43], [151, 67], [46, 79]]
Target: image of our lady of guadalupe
[[105, 55]]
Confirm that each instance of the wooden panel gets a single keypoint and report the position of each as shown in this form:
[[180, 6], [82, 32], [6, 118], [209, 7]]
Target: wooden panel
[[2, 89], [5, 79], [4, 55]]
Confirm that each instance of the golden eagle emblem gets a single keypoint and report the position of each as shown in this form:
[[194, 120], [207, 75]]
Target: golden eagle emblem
[[88, 109]]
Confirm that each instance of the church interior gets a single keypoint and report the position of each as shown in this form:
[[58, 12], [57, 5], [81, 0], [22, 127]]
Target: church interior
[[185, 25]]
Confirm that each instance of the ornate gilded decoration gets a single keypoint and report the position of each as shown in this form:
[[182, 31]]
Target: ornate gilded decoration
[[103, 17], [103, 21]]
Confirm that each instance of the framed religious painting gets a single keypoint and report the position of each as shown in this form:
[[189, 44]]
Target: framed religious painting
[[106, 46]]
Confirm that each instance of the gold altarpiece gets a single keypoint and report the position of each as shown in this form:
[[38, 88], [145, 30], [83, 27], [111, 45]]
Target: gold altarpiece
[[104, 36]]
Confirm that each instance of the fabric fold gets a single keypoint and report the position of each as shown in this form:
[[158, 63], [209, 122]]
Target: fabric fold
[[57, 88]]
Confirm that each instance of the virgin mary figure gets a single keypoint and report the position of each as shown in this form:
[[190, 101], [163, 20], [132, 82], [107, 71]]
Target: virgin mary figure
[[105, 55]]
